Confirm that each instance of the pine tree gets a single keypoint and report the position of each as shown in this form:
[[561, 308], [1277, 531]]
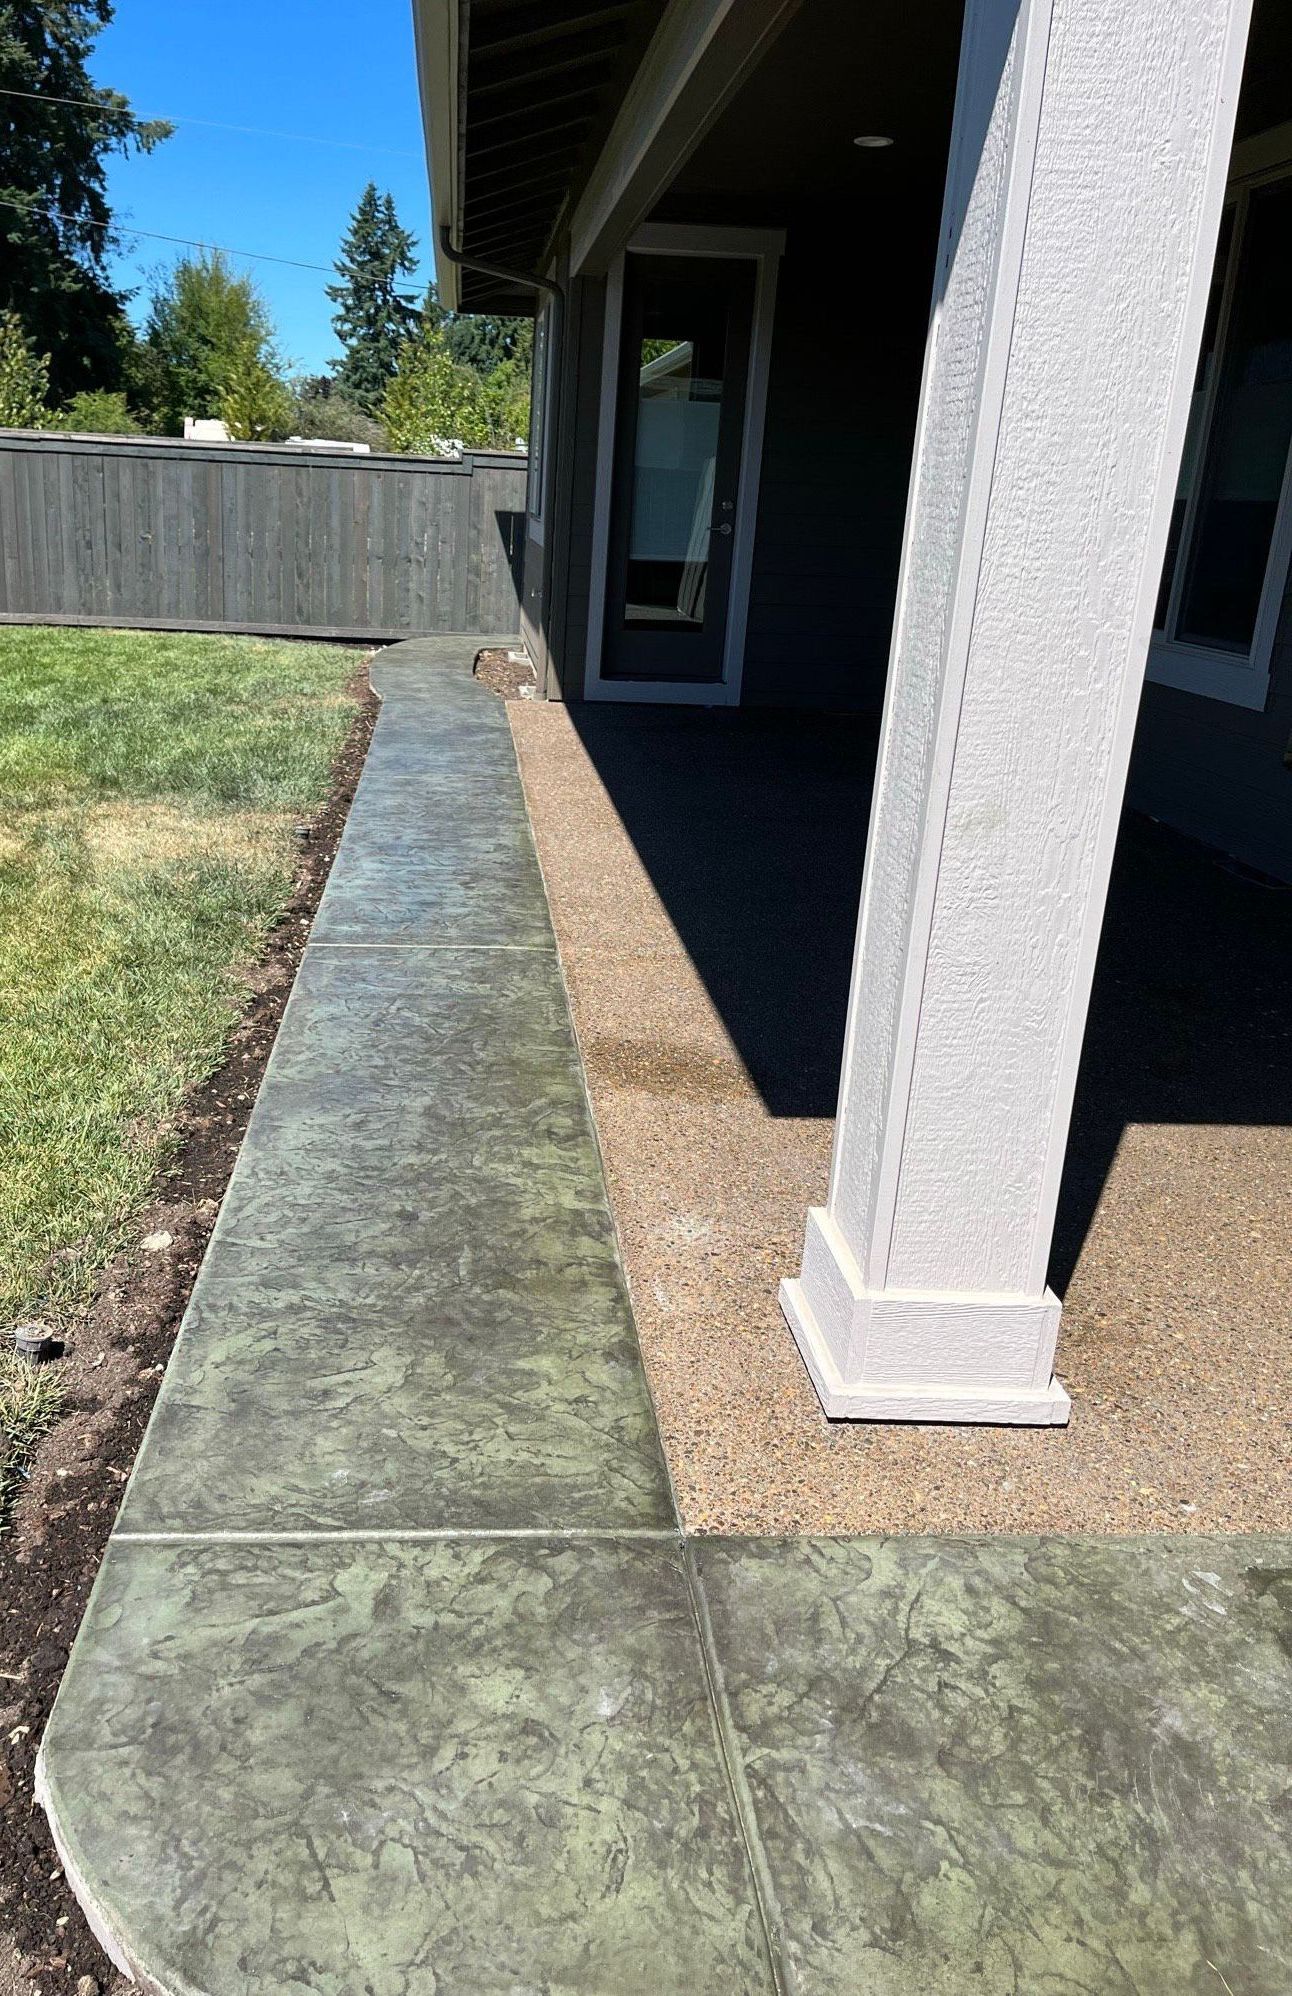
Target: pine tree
[[373, 319], [56, 241]]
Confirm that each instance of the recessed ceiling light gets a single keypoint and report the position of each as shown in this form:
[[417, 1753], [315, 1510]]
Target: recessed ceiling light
[[872, 141]]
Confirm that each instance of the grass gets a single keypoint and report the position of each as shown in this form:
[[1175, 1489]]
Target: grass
[[149, 786], [30, 1398]]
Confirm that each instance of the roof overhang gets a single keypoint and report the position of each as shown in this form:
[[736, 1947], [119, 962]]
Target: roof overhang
[[517, 98], [546, 118], [436, 26]]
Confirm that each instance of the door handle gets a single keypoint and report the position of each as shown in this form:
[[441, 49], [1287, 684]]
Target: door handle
[[725, 528]]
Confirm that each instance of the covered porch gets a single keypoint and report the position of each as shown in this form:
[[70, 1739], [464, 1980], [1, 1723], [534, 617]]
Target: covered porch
[[418, 1663], [769, 476], [674, 844]]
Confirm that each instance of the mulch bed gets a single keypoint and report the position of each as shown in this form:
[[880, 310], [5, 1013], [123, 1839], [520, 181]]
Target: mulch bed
[[112, 1367], [509, 674]]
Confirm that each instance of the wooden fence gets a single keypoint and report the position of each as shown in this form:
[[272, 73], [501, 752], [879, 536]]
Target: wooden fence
[[155, 533]]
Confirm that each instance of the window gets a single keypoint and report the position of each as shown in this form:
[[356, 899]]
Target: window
[[1227, 552], [538, 415]]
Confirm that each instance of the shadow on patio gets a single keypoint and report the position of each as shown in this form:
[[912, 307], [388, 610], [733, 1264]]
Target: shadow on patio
[[703, 872], [752, 826]]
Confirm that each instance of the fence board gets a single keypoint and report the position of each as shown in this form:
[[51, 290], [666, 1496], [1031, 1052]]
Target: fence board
[[165, 535]]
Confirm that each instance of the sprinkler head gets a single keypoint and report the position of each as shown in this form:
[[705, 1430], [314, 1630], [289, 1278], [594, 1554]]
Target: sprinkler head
[[33, 1341]]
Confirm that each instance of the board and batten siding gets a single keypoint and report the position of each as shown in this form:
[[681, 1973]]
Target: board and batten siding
[[835, 472], [153, 532]]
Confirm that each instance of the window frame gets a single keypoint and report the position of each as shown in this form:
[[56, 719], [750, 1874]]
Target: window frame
[[1241, 681], [540, 404]]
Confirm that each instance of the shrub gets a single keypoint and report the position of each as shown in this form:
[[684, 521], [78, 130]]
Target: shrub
[[434, 402], [24, 378], [98, 412], [255, 406], [321, 410]]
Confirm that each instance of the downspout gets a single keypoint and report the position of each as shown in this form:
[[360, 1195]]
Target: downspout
[[529, 281]]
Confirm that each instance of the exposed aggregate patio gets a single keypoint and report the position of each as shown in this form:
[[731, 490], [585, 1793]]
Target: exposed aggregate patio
[[703, 870], [400, 1676]]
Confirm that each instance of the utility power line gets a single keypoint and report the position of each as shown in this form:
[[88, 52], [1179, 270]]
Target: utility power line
[[215, 125], [186, 242]]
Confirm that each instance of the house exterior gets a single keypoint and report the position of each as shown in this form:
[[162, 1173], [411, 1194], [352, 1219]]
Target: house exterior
[[936, 364]]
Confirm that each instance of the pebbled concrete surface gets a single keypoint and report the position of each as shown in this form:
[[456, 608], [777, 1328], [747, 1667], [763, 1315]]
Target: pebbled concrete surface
[[703, 871]]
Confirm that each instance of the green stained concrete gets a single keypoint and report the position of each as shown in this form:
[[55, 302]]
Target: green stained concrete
[[1057, 1767], [412, 1315], [399, 1680], [478, 1767]]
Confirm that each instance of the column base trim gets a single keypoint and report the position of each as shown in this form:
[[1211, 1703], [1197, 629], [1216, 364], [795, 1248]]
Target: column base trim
[[1045, 1406]]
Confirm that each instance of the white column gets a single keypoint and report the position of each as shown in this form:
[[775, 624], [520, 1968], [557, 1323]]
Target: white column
[[1088, 161]]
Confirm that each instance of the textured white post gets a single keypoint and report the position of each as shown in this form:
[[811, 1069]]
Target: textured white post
[[1084, 189]]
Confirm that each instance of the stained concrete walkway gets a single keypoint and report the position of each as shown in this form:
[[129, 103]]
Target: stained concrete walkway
[[399, 1677]]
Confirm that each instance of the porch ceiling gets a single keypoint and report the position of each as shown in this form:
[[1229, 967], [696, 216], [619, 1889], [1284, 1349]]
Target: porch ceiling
[[539, 82]]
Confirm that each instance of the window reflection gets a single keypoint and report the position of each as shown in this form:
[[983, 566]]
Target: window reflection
[[1249, 442], [679, 403]]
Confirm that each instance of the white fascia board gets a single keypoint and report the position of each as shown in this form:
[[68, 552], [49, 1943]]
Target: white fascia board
[[436, 26]]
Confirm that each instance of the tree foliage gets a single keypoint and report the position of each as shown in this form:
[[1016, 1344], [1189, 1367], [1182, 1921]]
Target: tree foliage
[[433, 404], [373, 318], [255, 405], [323, 411], [98, 412], [55, 224], [479, 340], [204, 322], [436, 403], [24, 378]]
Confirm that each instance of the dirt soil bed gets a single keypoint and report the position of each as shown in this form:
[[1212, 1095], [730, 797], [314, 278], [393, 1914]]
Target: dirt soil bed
[[703, 872], [509, 674], [111, 1371]]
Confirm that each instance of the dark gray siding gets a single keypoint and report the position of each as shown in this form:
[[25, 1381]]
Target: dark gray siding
[[531, 600], [841, 407], [1217, 771], [576, 481], [836, 462]]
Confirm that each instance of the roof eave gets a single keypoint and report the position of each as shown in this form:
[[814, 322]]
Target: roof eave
[[438, 38]]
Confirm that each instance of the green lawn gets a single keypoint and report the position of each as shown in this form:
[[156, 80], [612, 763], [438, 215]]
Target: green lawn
[[149, 784]]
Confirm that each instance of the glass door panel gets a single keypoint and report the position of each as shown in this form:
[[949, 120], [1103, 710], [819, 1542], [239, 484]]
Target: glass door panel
[[684, 359]]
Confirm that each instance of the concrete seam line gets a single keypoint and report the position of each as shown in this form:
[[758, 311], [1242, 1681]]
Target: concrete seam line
[[408, 1534], [742, 1800]]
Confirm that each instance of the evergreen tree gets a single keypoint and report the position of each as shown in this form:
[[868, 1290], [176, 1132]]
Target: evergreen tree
[[483, 342], [204, 321], [372, 319], [56, 237]]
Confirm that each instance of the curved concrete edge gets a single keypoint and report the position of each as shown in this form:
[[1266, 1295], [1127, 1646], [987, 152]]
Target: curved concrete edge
[[116, 1873], [449, 657], [97, 1918], [394, 670]]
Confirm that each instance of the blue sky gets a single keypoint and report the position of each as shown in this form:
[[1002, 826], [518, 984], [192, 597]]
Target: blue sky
[[340, 72]]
